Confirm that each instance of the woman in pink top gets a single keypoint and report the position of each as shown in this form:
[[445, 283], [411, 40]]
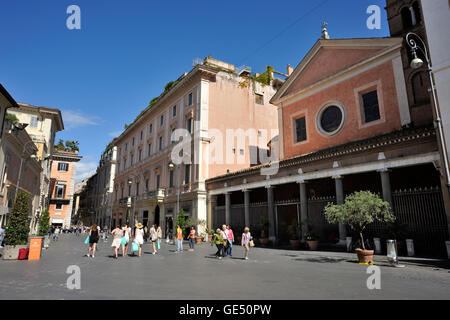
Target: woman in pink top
[[245, 242]]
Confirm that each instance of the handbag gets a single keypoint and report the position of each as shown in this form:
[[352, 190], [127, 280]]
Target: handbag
[[134, 246], [124, 241], [224, 243], [252, 244], [87, 240], [158, 245]]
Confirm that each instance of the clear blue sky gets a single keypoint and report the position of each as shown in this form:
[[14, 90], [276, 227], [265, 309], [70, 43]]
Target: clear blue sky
[[103, 75]]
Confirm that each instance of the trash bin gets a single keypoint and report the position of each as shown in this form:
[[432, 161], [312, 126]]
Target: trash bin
[[35, 247]]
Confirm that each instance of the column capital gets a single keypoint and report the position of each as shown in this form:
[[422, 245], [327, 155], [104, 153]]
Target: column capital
[[246, 190], [269, 186], [384, 170], [337, 177], [302, 181]]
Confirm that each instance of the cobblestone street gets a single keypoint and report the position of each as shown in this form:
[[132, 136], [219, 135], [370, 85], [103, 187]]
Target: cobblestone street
[[269, 274]]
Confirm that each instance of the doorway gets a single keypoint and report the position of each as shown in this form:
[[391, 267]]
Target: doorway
[[157, 216]]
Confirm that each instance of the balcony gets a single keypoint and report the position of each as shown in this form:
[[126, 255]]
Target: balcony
[[158, 193]]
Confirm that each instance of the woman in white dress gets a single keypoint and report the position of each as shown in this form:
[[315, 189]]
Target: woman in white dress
[[126, 234], [139, 236], [118, 234]]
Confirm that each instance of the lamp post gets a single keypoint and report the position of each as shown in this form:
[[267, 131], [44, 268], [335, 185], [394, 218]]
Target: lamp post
[[20, 168], [177, 208], [416, 63]]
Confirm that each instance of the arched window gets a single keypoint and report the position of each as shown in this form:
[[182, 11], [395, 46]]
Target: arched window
[[420, 88], [406, 18], [416, 8]]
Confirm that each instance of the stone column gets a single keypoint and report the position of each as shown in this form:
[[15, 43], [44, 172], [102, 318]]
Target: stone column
[[386, 186], [227, 208], [247, 208], [303, 208], [212, 200], [271, 214], [340, 200]]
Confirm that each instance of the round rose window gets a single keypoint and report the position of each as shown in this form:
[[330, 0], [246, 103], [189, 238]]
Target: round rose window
[[331, 119]]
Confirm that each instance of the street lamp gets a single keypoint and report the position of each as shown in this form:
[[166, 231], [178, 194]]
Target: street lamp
[[177, 208], [417, 63], [20, 168]]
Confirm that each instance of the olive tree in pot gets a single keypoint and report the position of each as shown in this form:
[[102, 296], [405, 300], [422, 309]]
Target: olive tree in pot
[[294, 234], [200, 225], [18, 227], [358, 211]]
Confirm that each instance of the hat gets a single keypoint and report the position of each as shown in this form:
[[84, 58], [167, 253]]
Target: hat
[[139, 225]]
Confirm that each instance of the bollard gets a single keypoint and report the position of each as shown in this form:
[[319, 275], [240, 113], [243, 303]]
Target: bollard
[[392, 251], [349, 243], [377, 243], [392, 254], [410, 247]]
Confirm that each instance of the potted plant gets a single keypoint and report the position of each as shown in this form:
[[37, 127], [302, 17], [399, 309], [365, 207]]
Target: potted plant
[[43, 227], [312, 240], [264, 224], [18, 228], [210, 234], [294, 232], [199, 223], [358, 211]]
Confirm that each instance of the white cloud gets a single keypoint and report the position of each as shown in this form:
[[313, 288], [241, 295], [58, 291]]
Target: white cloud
[[85, 169], [115, 134], [73, 119]]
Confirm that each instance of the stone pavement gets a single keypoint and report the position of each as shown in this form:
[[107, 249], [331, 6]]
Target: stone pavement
[[269, 274]]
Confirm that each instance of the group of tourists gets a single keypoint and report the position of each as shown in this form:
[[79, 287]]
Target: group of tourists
[[123, 236], [223, 239]]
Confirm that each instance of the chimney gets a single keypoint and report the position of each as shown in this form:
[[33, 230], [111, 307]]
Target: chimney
[[289, 70]]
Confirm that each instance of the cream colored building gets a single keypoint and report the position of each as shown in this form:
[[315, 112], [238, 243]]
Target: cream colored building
[[213, 97], [42, 125]]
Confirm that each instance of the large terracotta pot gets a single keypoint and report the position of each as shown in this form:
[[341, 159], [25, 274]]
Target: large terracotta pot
[[313, 244], [295, 244], [209, 237], [198, 239], [263, 241], [364, 256], [12, 252]]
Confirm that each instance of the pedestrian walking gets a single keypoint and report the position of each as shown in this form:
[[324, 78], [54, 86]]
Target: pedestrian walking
[[56, 235], [126, 235], [2, 236], [146, 235], [160, 235], [117, 240], [247, 241], [230, 241], [154, 238], [225, 233], [191, 238], [179, 239], [218, 241], [93, 239], [139, 237]]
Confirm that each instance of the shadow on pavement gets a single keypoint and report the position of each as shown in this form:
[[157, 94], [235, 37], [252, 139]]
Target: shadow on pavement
[[323, 260], [437, 264]]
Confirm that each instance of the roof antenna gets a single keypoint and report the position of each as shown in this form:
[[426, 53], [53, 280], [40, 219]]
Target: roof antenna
[[325, 34]]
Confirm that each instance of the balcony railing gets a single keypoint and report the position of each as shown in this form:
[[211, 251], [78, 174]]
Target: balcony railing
[[158, 193]]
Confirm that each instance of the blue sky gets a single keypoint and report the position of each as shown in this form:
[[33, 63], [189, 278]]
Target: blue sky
[[103, 75]]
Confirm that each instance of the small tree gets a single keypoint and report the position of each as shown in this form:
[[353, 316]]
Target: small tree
[[359, 210], [294, 230], [44, 223], [18, 226], [181, 219]]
